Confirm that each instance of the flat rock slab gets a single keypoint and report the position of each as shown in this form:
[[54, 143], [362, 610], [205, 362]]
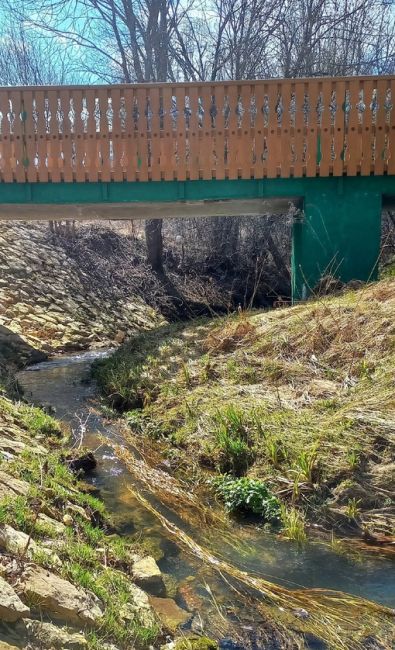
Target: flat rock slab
[[47, 635], [169, 613], [13, 485], [11, 606], [59, 597]]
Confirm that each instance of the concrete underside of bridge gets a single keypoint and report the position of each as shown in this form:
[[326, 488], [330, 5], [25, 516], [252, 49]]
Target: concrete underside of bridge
[[336, 231]]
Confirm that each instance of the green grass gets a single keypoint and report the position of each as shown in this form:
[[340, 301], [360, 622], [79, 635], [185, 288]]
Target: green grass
[[90, 559], [38, 422]]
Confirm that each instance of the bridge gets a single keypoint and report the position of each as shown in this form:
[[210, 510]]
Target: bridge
[[326, 146]]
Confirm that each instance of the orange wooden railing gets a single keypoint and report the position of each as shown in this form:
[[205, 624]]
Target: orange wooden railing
[[248, 129]]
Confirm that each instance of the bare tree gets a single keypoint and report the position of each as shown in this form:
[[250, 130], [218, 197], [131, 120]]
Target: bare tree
[[25, 60]]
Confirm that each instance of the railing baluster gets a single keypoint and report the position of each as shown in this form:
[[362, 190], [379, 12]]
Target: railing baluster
[[286, 153], [233, 97], [367, 135], [91, 143], [391, 131], [193, 134], [353, 136], [273, 140], [181, 134], [244, 132], [66, 135], [55, 164], [380, 128], [17, 136], [219, 144]]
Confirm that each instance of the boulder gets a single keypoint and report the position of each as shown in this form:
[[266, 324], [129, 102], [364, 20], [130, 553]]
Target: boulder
[[59, 597], [169, 613], [47, 635], [11, 606], [147, 575]]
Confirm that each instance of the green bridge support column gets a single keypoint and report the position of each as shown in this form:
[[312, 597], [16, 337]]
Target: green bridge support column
[[338, 234]]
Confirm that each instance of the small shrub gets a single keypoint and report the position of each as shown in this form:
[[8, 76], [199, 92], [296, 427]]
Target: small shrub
[[248, 495]]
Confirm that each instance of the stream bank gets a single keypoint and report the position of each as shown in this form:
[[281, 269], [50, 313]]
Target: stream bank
[[221, 581]]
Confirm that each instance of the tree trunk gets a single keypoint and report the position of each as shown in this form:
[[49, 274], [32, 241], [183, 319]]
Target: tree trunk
[[153, 238]]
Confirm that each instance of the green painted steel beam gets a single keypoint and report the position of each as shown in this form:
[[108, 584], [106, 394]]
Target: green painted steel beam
[[166, 191]]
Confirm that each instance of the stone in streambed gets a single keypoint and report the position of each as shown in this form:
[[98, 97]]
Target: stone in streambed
[[85, 463], [169, 613], [11, 606], [147, 575]]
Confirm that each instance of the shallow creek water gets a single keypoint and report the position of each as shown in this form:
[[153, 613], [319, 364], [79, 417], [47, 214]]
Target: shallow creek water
[[64, 384]]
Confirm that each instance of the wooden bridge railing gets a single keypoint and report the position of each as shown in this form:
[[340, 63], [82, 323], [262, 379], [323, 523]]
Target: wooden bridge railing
[[248, 129]]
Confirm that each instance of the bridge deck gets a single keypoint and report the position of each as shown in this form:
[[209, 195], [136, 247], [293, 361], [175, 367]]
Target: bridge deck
[[198, 131]]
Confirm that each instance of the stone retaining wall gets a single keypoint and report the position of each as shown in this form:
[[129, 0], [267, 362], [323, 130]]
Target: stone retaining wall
[[55, 305]]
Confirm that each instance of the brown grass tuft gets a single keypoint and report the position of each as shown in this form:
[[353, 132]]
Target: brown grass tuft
[[228, 337]]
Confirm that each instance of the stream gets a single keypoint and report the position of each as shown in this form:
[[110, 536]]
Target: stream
[[64, 384]]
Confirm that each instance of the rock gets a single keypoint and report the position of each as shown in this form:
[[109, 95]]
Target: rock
[[138, 608], [77, 510], [147, 575], [11, 606], [50, 636], [68, 519], [169, 613], [85, 463], [59, 597], [7, 646], [13, 484], [195, 643], [15, 541], [56, 526], [119, 337]]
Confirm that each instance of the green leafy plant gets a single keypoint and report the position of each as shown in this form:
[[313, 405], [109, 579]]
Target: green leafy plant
[[248, 495]]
